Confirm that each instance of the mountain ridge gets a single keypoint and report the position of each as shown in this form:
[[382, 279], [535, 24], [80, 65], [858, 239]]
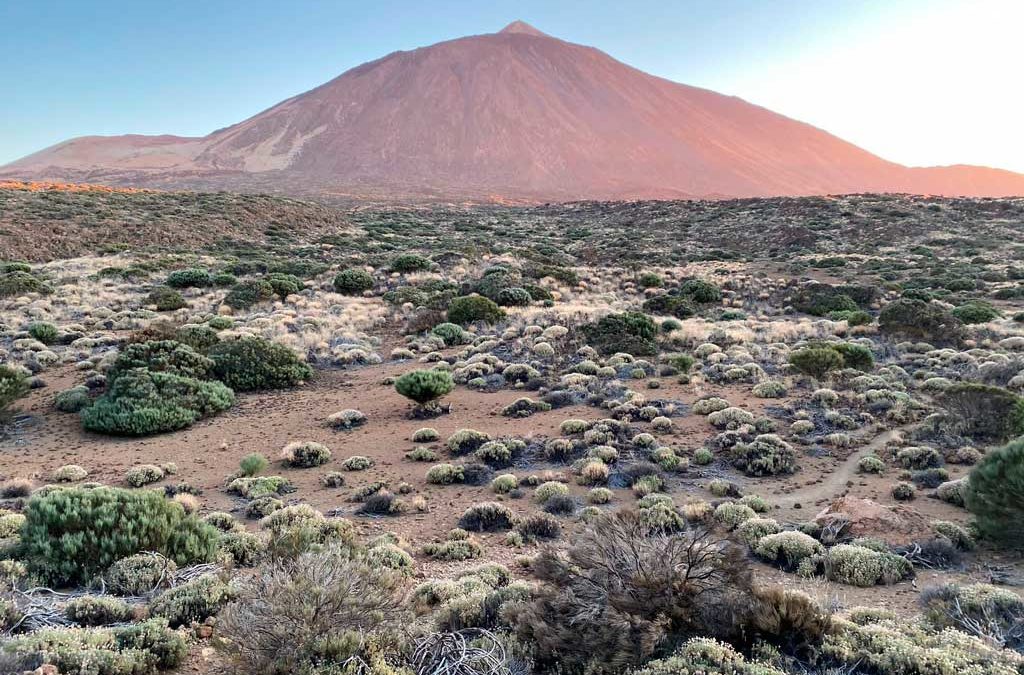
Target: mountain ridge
[[513, 114]]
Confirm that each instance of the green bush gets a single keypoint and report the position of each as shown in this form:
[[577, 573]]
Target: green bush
[[409, 262], [994, 491], [472, 308], [73, 400], [700, 291], [254, 363], [44, 331], [139, 574], [976, 311], [353, 281], [305, 454], [165, 356], [514, 297], [141, 402], [816, 361], [72, 534], [19, 283], [451, 333], [91, 610], [189, 278], [284, 284], [854, 356], [766, 455], [166, 299], [13, 385], [650, 280], [630, 332], [679, 306], [252, 464], [199, 338], [249, 293], [919, 320], [424, 386]]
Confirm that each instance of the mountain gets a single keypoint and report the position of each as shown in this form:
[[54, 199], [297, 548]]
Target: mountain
[[516, 114]]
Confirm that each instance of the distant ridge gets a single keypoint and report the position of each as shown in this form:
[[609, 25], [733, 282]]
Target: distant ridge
[[516, 115]]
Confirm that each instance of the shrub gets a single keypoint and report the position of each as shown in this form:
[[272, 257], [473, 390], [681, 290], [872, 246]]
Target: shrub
[[72, 400], [769, 389], [43, 331], [753, 530], [253, 363], [953, 491], [871, 464], [451, 333], [984, 411], [486, 517], [989, 612], [994, 491], [189, 278], [504, 484], [465, 441], [141, 402], [705, 656], [921, 320], [20, 282], [141, 648], [788, 549], [514, 297], [91, 610], [703, 456], [546, 491], [859, 566], [538, 526], [73, 533], [766, 455], [244, 548], [424, 386], [249, 293], [524, 407], [199, 338], [700, 291], [630, 332], [164, 356], [918, 457], [13, 385], [421, 455], [139, 574], [353, 281], [976, 311], [904, 491], [816, 361], [425, 435], [409, 262], [854, 356], [166, 299], [731, 514], [357, 463], [647, 587], [458, 545], [445, 474], [252, 464], [69, 473], [192, 601], [311, 614], [144, 474], [305, 454], [346, 419], [472, 308]]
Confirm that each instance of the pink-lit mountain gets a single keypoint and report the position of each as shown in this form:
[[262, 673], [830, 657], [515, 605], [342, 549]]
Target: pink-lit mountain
[[516, 114]]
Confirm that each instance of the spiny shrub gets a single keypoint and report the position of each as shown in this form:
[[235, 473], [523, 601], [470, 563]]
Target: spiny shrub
[[142, 402], [144, 474], [409, 262], [19, 282], [91, 610], [984, 411], [353, 281], [539, 526], [788, 549], [989, 612], [357, 463], [766, 455], [465, 441], [138, 574], [445, 474], [305, 454], [73, 400], [472, 308], [254, 363], [630, 332], [919, 320], [486, 517], [451, 333], [284, 284], [458, 545], [71, 534], [994, 492], [859, 566], [192, 601], [975, 311], [871, 464]]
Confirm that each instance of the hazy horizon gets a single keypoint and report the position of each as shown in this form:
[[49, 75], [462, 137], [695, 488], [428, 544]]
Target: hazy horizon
[[919, 83]]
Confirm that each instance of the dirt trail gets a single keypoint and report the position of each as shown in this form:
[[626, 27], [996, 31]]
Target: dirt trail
[[834, 484]]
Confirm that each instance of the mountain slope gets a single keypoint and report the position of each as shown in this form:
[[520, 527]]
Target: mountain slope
[[513, 114]]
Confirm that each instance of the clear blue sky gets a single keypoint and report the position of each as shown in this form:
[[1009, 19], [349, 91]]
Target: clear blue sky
[[916, 81]]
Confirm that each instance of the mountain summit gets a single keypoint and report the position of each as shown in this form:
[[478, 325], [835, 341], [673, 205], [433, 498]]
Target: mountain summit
[[514, 114]]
